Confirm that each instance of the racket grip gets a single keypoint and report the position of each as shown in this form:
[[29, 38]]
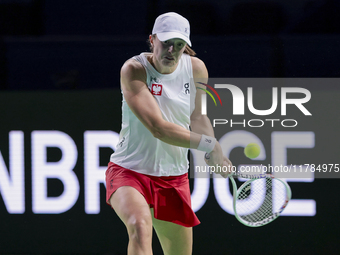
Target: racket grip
[[207, 156]]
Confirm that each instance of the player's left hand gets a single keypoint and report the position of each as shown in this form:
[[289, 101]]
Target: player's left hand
[[226, 167]]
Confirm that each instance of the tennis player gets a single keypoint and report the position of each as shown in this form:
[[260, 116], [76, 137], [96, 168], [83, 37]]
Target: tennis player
[[147, 177]]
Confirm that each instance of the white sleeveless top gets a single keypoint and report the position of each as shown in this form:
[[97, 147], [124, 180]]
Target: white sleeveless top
[[137, 149]]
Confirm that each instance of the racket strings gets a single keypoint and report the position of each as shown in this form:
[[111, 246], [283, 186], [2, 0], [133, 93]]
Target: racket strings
[[255, 201]]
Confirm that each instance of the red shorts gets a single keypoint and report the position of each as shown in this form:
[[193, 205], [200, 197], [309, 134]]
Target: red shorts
[[169, 196]]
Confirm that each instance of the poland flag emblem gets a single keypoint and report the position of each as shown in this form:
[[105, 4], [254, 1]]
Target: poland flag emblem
[[156, 89]]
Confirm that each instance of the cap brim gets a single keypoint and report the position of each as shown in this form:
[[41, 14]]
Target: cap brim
[[171, 35]]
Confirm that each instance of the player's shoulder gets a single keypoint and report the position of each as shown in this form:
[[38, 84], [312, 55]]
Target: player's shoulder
[[132, 66], [133, 69], [198, 67]]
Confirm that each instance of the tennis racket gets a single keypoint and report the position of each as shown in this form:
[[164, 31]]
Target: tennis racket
[[260, 199]]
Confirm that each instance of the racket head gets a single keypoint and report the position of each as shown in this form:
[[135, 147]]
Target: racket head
[[260, 200]]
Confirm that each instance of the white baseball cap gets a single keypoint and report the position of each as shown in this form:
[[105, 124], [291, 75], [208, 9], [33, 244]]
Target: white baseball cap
[[172, 25]]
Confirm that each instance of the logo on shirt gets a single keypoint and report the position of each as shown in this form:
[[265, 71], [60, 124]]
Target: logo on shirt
[[155, 79], [121, 142], [156, 89], [186, 88]]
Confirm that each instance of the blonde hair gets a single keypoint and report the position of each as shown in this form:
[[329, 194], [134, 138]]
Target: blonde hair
[[187, 49]]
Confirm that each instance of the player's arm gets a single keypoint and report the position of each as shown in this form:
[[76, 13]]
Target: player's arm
[[201, 123], [145, 107]]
